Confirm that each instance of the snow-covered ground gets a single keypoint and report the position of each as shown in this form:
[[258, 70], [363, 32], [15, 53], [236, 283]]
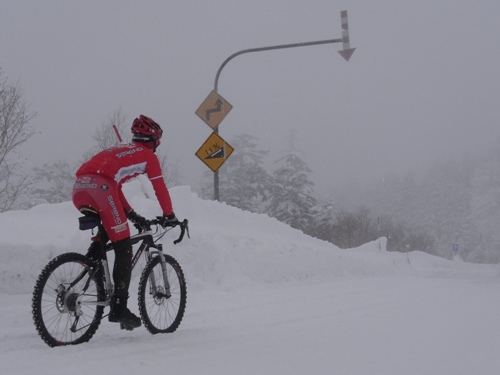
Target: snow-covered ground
[[262, 299]]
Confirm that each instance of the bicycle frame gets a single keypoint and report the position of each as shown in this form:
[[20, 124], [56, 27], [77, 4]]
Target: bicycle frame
[[148, 247], [145, 246]]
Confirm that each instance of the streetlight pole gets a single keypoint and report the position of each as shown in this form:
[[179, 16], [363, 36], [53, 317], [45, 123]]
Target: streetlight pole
[[346, 53]]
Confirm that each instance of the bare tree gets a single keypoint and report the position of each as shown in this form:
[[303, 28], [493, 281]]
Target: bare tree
[[54, 182], [171, 169], [14, 131], [105, 136]]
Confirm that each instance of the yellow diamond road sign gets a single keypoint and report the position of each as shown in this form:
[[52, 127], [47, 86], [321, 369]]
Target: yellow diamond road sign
[[214, 151], [213, 109]]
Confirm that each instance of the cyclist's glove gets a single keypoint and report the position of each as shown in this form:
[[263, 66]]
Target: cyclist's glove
[[169, 221], [135, 218]]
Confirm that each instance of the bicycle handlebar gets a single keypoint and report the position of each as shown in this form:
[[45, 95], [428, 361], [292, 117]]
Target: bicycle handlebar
[[184, 229], [158, 221]]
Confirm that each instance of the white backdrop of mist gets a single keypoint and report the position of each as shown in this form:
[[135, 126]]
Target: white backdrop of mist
[[423, 84]]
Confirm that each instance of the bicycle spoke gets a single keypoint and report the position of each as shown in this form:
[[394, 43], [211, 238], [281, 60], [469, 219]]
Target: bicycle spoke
[[64, 301], [159, 312]]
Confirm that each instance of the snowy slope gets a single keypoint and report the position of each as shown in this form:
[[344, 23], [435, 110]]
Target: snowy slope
[[262, 299]]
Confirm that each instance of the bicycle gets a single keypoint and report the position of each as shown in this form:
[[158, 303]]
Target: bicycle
[[73, 289]]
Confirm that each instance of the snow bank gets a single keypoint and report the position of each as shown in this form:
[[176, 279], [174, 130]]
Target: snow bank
[[229, 248]]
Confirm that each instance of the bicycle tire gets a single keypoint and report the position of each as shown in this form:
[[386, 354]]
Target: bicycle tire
[[159, 313], [55, 310]]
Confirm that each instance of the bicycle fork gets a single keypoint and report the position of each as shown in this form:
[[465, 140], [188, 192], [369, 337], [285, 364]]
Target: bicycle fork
[[156, 290]]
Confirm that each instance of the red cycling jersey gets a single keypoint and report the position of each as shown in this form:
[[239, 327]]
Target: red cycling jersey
[[123, 162]]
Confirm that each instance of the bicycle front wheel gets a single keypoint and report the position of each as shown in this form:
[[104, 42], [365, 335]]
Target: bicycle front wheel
[[162, 306], [65, 308]]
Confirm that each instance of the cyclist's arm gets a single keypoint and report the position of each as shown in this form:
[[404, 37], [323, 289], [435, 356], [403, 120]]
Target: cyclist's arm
[[156, 177], [126, 206], [162, 194]]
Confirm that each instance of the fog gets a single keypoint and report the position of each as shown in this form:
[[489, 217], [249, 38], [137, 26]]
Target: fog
[[422, 85]]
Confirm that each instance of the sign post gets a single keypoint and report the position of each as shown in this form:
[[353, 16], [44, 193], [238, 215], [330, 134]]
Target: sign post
[[213, 110]]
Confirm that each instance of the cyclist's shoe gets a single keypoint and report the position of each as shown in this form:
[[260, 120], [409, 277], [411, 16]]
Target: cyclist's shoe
[[128, 327], [129, 321], [121, 314]]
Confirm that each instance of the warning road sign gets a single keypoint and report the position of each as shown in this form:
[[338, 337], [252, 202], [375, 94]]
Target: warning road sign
[[213, 109], [214, 151]]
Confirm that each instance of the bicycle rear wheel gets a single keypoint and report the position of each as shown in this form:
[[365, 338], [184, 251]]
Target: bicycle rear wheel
[[65, 310], [160, 312]]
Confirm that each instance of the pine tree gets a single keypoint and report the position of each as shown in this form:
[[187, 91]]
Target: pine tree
[[243, 181], [324, 221], [292, 201], [485, 210]]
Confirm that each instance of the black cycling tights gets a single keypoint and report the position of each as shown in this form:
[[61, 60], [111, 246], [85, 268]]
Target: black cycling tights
[[122, 270]]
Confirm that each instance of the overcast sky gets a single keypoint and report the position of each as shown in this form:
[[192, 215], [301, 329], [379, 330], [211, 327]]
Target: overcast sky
[[422, 85]]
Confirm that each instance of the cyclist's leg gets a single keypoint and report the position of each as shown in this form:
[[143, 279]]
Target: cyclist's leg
[[103, 194], [122, 269], [115, 223], [85, 203], [90, 197], [122, 272]]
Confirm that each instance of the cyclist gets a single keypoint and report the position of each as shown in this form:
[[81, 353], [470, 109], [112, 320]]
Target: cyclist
[[98, 190]]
